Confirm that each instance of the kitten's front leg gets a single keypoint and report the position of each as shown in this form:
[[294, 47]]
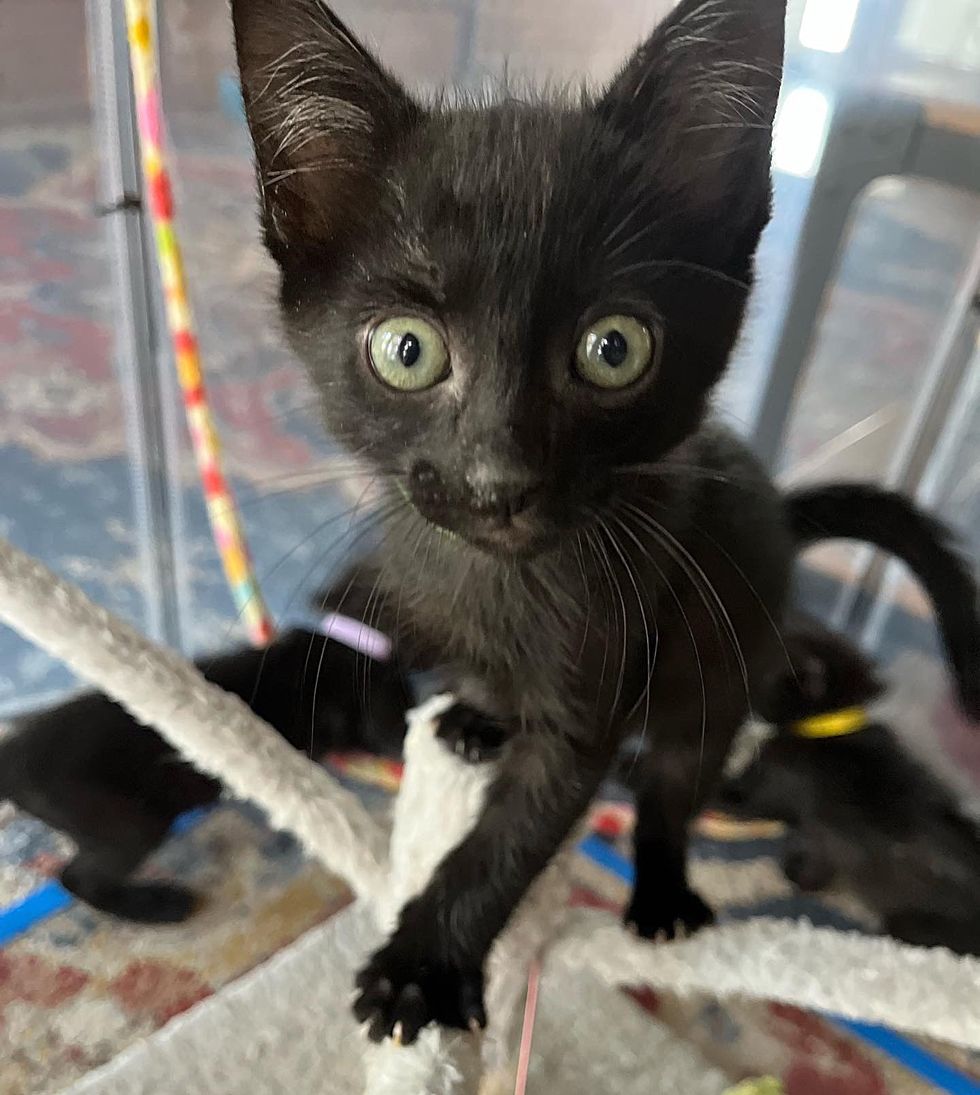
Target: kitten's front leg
[[432, 967]]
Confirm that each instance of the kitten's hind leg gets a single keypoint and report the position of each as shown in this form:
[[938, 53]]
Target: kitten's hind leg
[[677, 780]]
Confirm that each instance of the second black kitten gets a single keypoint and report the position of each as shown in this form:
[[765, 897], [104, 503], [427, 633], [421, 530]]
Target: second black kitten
[[861, 811], [115, 787]]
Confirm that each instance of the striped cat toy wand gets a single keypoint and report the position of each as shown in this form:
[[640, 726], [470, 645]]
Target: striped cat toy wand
[[226, 525]]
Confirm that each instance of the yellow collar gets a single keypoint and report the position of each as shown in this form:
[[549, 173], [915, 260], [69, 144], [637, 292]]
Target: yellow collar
[[833, 724]]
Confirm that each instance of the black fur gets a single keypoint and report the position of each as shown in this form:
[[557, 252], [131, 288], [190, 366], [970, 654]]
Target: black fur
[[861, 811], [115, 787], [584, 560], [856, 511]]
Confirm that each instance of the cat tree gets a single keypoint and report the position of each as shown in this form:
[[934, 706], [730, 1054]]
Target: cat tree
[[314, 1047]]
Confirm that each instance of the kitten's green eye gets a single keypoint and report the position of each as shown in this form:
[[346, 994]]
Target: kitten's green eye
[[614, 352], [408, 353]]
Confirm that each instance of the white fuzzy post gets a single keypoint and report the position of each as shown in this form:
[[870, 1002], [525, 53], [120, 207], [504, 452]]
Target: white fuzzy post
[[213, 729], [438, 802], [218, 733], [922, 990]]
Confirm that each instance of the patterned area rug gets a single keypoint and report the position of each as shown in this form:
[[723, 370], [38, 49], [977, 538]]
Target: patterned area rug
[[77, 987]]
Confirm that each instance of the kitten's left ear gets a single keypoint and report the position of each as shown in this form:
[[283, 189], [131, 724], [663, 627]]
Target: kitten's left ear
[[699, 99]]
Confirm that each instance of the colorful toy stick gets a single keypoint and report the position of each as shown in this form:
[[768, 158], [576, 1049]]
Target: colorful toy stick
[[226, 524]]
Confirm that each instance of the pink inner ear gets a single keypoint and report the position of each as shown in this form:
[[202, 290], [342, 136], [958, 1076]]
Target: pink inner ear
[[357, 635]]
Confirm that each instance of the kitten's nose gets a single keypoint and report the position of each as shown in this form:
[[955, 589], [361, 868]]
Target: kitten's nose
[[501, 488]]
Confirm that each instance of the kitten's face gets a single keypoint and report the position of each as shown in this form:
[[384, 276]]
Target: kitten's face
[[505, 306]]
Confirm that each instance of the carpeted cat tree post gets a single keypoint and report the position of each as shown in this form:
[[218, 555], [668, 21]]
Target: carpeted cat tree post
[[316, 1050]]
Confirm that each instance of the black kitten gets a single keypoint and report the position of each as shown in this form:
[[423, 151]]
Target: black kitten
[[115, 787], [861, 811], [516, 312]]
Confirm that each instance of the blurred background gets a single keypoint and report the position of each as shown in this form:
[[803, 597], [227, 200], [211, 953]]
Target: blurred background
[[860, 358], [97, 477]]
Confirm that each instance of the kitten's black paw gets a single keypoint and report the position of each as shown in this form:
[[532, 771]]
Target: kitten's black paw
[[470, 734], [400, 991], [668, 914]]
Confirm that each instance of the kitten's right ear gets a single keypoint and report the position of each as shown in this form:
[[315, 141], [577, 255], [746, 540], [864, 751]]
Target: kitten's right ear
[[324, 117]]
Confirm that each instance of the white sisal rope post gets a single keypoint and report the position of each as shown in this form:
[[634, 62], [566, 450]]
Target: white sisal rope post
[[922, 990]]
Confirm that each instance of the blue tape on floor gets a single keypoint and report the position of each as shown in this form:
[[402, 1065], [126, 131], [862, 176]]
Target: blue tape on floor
[[913, 1057], [607, 857], [52, 898], [20, 917], [189, 820]]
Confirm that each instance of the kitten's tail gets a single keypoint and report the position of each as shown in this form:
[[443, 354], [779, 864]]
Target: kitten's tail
[[892, 522]]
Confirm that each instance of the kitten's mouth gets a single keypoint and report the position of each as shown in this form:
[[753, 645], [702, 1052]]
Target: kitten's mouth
[[511, 525], [517, 538], [520, 536]]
